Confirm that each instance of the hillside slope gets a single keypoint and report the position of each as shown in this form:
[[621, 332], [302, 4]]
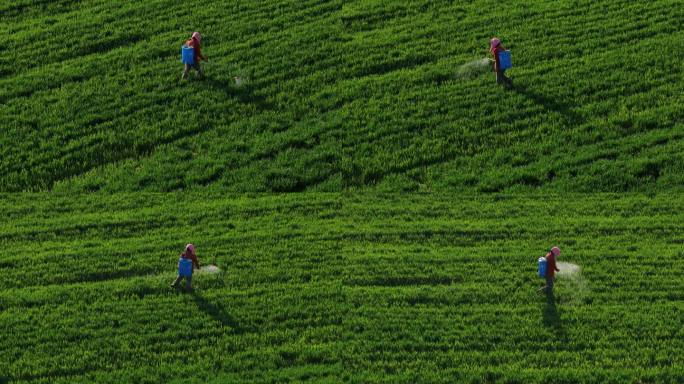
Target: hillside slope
[[342, 95]]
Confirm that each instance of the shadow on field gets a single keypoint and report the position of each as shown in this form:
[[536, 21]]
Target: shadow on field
[[550, 104], [552, 317], [245, 93], [217, 313]]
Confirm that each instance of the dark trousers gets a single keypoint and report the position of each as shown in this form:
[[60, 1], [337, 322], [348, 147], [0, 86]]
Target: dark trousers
[[197, 67], [548, 288], [549, 284], [188, 281], [501, 78]]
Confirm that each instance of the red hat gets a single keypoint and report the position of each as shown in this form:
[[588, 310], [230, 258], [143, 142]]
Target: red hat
[[494, 42]]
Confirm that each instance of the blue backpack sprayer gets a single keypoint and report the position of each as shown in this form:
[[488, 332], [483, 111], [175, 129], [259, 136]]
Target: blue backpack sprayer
[[541, 267], [505, 60], [188, 55], [185, 267]]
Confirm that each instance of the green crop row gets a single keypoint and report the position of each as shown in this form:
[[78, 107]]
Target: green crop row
[[341, 96], [329, 287]]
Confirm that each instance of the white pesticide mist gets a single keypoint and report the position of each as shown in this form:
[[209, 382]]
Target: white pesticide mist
[[568, 269], [577, 285], [240, 76], [209, 269], [474, 68]]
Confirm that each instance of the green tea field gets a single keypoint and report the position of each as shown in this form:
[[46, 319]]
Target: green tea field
[[342, 95], [368, 205], [333, 288]]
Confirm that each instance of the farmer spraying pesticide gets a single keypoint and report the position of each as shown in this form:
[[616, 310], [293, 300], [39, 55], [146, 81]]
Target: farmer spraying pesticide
[[191, 54], [502, 61], [186, 265], [548, 268]]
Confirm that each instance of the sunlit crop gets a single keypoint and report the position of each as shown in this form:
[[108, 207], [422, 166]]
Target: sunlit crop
[[423, 192], [356, 288], [341, 95]]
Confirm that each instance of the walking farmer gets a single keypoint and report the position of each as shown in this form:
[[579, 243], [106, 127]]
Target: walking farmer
[[496, 48], [186, 264], [551, 270], [192, 54]]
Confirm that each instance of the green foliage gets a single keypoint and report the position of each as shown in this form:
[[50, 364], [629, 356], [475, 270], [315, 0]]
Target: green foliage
[[341, 95], [370, 98], [325, 287]]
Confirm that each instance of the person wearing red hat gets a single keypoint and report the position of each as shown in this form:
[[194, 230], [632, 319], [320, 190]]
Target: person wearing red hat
[[196, 43], [551, 269], [186, 264], [495, 47]]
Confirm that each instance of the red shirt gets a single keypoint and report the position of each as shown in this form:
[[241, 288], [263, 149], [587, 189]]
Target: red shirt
[[551, 265], [191, 256], [198, 50]]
